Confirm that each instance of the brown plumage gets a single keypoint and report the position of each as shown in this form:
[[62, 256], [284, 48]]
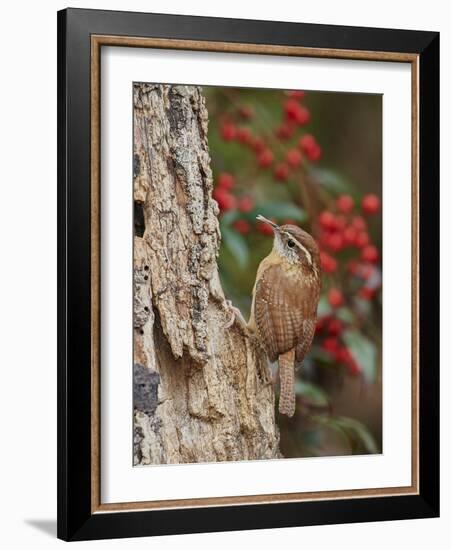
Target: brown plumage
[[285, 300]]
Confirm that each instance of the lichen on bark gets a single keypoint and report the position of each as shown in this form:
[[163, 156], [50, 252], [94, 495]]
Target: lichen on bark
[[207, 395]]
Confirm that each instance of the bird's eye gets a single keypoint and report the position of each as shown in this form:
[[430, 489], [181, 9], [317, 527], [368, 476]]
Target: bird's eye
[[290, 243]]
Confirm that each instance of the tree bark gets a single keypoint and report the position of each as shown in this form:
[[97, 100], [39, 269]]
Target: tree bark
[[199, 387]]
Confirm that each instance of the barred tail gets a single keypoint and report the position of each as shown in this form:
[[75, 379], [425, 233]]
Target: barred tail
[[287, 401]]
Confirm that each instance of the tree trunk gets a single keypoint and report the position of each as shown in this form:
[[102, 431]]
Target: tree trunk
[[199, 387]]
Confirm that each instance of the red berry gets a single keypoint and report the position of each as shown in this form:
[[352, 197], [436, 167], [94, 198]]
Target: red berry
[[310, 147], [285, 131], [258, 145], [330, 344], [331, 266], [349, 235], [293, 157], [302, 115], [343, 355], [242, 226], [228, 131], [335, 327], [335, 241], [306, 142], [353, 367], [281, 172], [265, 228], [244, 135], [340, 221], [328, 264], [370, 253], [327, 220], [367, 293], [246, 111], [362, 239], [353, 267], [314, 153], [291, 107], [371, 203], [359, 223], [320, 324], [225, 200], [296, 94], [265, 158], [295, 112], [335, 297], [246, 204], [226, 181], [345, 203]]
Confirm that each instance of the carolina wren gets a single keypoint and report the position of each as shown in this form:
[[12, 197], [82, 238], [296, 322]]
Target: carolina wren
[[284, 303]]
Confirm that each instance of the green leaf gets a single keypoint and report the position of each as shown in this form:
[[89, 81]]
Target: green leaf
[[331, 180], [321, 355], [312, 393], [358, 430], [281, 211], [364, 352], [229, 217], [236, 245], [355, 432], [345, 315], [323, 307]]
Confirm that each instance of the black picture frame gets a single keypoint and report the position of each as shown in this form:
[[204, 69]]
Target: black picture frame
[[75, 518]]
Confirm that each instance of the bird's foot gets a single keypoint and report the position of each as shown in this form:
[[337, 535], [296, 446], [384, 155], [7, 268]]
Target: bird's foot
[[269, 381], [236, 317], [267, 376]]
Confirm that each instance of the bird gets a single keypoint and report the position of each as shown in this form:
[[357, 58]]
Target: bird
[[284, 304]]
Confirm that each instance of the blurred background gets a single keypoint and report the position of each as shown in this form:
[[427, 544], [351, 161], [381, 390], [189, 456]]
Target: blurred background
[[313, 159]]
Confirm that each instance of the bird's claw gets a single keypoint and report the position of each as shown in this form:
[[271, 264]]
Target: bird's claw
[[270, 380], [236, 316]]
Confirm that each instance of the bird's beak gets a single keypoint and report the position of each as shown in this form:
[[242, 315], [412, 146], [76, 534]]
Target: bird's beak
[[269, 222]]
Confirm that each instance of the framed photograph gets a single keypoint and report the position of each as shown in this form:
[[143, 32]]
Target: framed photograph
[[248, 274]]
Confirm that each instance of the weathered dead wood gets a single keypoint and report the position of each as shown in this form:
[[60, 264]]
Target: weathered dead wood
[[200, 393]]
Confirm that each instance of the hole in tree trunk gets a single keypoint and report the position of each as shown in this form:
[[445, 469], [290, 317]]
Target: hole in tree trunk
[[138, 219]]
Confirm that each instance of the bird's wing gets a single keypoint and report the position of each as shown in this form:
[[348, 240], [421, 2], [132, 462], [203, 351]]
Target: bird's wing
[[308, 332], [281, 306]]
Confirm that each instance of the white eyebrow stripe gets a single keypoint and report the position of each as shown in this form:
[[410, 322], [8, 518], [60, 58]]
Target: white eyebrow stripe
[[301, 246]]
